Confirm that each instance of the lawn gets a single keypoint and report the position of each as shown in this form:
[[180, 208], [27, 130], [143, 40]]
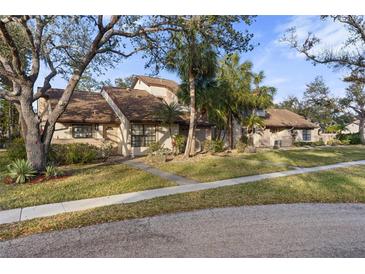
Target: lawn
[[335, 186], [4, 161], [87, 181], [212, 168]]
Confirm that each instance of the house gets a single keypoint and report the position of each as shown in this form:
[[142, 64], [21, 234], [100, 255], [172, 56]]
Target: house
[[352, 128], [126, 118], [281, 128]]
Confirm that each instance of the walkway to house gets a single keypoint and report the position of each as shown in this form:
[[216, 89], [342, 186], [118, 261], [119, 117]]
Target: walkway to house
[[163, 174], [27, 213]]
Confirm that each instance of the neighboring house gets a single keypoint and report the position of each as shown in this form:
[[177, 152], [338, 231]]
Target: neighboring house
[[282, 128], [352, 128], [125, 117], [161, 88]]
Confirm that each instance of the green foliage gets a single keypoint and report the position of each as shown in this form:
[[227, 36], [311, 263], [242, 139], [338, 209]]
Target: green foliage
[[214, 146], [157, 153], [179, 142], [52, 171], [352, 138], [241, 145], [335, 142], [21, 171], [73, 154], [16, 149], [105, 150], [337, 128]]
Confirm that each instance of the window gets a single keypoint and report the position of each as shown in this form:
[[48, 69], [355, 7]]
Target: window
[[307, 135], [82, 131], [143, 135]]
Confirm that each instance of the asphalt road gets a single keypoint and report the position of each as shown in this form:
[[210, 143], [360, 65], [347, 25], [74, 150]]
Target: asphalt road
[[300, 230]]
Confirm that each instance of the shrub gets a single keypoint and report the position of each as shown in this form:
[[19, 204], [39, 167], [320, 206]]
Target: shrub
[[214, 146], [302, 144], [72, 154], [180, 141], [334, 142], [106, 150], [21, 171], [157, 152], [81, 153], [241, 146], [16, 149], [52, 171], [351, 138]]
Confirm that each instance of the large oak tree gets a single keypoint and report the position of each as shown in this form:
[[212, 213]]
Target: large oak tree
[[67, 45]]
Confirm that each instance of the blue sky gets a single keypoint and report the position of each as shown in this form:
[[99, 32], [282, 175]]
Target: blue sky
[[284, 68]]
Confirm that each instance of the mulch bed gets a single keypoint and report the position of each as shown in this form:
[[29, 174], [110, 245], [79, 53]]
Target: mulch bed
[[36, 180]]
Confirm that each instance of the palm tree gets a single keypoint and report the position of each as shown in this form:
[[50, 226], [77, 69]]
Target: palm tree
[[192, 58], [252, 122], [168, 114]]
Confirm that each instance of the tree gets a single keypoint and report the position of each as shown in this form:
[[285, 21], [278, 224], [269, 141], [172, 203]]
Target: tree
[[319, 106], [68, 45], [191, 51], [252, 122], [350, 56], [293, 104], [244, 94], [355, 101], [125, 82], [168, 114]]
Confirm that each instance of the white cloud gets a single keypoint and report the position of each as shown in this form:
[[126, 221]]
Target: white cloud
[[332, 34]]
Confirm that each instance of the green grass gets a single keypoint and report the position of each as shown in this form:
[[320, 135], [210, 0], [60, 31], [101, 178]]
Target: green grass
[[87, 181], [335, 186], [211, 168], [4, 161]]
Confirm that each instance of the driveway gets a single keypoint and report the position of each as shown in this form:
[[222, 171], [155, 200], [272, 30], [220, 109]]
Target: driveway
[[298, 230]]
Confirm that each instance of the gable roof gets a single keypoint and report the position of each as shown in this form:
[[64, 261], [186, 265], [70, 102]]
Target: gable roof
[[286, 119], [84, 107], [140, 106], [158, 82]]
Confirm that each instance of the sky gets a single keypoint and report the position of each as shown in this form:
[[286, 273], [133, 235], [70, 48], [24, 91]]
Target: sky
[[284, 68]]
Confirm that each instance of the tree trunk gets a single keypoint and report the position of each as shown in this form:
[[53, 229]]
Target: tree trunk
[[190, 149], [361, 129], [230, 130], [36, 153]]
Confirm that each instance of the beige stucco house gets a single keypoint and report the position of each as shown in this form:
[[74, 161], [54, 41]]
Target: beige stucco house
[[281, 128], [125, 118]]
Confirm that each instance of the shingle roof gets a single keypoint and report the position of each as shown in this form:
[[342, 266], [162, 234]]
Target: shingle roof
[[84, 107], [141, 106], [286, 118], [159, 82]]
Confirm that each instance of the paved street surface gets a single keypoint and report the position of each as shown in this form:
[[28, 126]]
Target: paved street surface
[[299, 230]]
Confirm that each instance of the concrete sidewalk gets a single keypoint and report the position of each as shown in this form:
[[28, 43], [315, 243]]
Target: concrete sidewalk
[[27, 213], [160, 173]]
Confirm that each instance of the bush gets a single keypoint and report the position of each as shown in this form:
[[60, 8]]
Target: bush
[[179, 142], [105, 151], [157, 152], [241, 146], [214, 146], [16, 149], [334, 142], [352, 138], [73, 154], [302, 144], [52, 171], [21, 171]]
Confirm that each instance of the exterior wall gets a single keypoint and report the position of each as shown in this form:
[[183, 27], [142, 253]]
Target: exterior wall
[[314, 135], [160, 92], [352, 128], [202, 134], [101, 134]]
